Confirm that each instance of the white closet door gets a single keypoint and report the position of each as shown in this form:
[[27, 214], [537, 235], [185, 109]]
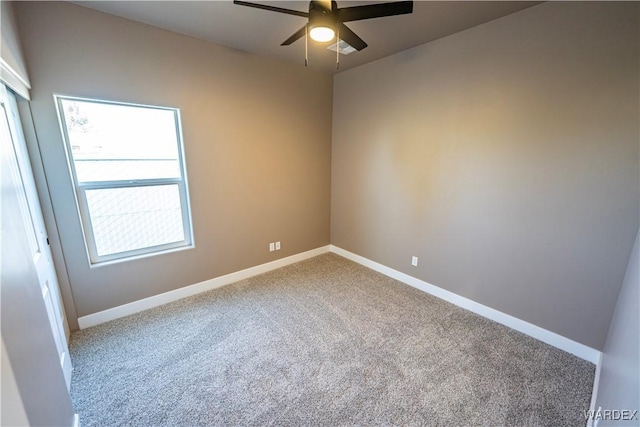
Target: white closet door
[[14, 146]]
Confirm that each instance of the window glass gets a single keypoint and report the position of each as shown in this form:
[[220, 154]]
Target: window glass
[[126, 219], [112, 142]]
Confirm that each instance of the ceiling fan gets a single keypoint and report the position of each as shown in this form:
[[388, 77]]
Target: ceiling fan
[[325, 19]]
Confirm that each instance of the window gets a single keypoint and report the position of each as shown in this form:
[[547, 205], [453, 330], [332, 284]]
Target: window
[[128, 169]]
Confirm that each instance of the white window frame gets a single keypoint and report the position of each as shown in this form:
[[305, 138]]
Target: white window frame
[[82, 188]]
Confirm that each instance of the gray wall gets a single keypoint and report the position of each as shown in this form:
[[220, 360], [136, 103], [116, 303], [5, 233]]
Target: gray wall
[[619, 386], [16, 77], [257, 137], [12, 412], [28, 348], [505, 157]]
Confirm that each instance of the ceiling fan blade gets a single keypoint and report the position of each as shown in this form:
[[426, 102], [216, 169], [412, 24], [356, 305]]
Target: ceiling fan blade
[[271, 8], [350, 37], [298, 34], [357, 13]]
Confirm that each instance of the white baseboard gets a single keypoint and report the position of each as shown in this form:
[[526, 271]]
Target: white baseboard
[[167, 297], [551, 338], [594, 393]]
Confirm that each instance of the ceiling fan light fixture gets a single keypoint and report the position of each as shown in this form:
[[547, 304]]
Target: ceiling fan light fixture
[[322, 33], [326, 20]]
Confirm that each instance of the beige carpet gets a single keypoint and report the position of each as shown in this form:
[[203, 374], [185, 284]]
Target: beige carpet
[[321, 342]]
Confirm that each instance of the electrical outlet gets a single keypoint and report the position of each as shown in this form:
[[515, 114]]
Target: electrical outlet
[[277, 246], [272, 247], [414, 261]]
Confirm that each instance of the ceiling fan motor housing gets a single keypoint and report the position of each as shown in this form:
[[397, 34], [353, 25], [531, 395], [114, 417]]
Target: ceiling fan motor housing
[[320, 16]]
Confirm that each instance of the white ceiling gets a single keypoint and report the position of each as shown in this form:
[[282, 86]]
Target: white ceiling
[[261, 32]]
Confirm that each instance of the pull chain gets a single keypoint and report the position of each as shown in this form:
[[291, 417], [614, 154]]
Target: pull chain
[[338, 49], [306, 48]]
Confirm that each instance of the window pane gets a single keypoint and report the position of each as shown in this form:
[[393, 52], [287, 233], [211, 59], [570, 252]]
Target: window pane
[[89, 170], [111, 142], [126, 219]]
